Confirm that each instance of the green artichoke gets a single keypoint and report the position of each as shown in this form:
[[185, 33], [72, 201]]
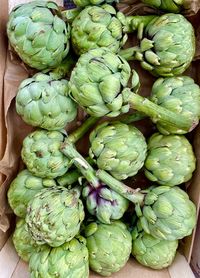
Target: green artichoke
[[44, 102], [109, 246], [153, 252], [164, 212], [42, 156], [23, 188], [167, 46], [167, 213], [173, 6], [24, 244], [38, 34], [69, 260], [170, 159], [178, 94], [97, 27], [118, 148], [84, 3], [97, 81], [54, 215]]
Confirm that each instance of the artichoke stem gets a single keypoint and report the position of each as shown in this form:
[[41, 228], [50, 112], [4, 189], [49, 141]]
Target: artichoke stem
[[129, 193], [130, 118], [83, 166], [135, 22], [79, 132], [158, 113], [68, 178]]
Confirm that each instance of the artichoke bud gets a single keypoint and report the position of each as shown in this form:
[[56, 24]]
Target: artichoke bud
[[110, 9]]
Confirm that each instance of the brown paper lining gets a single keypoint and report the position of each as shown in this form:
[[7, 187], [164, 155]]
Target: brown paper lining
[[13, 129]]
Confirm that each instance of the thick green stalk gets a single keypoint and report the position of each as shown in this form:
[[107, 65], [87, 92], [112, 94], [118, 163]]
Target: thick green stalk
[[129, 193], [83, 166], [138, 22], [158, 113], [79, 132], [130, 118]]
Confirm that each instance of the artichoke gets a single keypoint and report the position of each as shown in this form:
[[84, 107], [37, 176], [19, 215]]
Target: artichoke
[[101, 201], [54, 215], [178, 94], [164, 212], [118, 148], [153, 252], [97, 81], [23, 188], [172, 6], [170, 159], [24, 244], [84, 3], [167, 46], [41, 154], [109, 246], [44, 102], [97, 27], [69, 260], [38, 34]]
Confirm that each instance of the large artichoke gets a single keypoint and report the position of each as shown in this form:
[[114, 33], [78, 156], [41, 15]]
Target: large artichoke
[[54, 215], [23, 188], [38, 34], [153, 252], [178, 94], [167, 46], [97, 27], [164, 212], [69, 260], [97, 81], [173, 6], [118, 148], [42, 156], [170, 159], [23, 242], [45, 102], [109, 246]]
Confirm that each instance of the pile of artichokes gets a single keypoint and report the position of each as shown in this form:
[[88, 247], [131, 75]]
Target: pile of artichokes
[[74, 212]]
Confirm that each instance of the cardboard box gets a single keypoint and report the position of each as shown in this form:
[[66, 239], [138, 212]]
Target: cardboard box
[[13, 130]]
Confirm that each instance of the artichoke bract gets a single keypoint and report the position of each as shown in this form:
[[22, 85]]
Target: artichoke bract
[[173, 6], [44, 102], [109, 246], [69, 260], [54, 216], [153, 252], [167, 213], [101, 201], [38, 34], [97, 27], [167, 46], [178, 94], [23, 188], [97, 81], [42, 156], [23, 242], [118, 148], [170, 159]]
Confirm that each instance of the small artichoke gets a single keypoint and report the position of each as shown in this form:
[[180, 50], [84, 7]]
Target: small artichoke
[[38, 34], [170, 159], [23, 242], [109, 246], [178, 94], [167, 213], [118, 148], [23, 188], [69, 260], [97, 27], [104, 202], [42, 156], [54, 216], [167, 46], [173, 6], [97, 81], [44, 102]]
